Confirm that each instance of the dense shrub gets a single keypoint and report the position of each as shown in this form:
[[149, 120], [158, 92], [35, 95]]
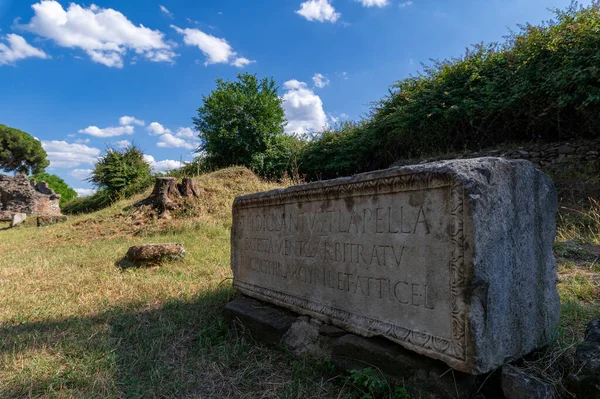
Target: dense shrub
[[542, 83], [122, 173]]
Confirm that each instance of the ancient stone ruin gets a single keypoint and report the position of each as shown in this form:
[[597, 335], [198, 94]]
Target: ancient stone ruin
[[18, 195], [451, 260]]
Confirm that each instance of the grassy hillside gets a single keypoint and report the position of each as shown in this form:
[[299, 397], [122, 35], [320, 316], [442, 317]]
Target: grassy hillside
[[73, 324]]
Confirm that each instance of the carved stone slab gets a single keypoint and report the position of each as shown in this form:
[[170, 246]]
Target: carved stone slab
[[452, 260]]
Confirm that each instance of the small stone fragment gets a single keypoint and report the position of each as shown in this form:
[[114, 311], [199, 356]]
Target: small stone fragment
[[17, 219], [517, 384], [302, 337], [154, 253]]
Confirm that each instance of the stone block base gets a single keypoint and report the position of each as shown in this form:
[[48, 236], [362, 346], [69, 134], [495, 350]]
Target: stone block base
[[420, 375]]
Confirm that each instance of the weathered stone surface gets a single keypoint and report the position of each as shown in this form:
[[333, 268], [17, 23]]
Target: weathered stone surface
[[155, 253], [43, 221], [517, 384], [452, 260], [19, 195], [265, 322], [302, 337], [586, 380], [331, 331], [17, 219]]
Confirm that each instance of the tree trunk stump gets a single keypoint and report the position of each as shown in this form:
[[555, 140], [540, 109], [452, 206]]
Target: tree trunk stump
[[188, 188], [165, 188]]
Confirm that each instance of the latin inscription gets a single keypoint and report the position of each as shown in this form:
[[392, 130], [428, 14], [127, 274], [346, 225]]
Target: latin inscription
[[385, 257]]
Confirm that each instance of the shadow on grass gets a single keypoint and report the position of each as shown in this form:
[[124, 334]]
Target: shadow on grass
[[124, 352], [180, 349]]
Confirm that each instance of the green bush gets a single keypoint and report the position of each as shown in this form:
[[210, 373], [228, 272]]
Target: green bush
[[58, 185], [542, 83], [122, 173]]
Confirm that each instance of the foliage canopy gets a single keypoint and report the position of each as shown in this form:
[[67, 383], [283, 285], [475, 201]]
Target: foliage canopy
[[21, 152], [241, 123]]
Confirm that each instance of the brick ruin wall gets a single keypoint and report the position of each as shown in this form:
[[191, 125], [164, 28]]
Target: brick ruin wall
[[19, 195]]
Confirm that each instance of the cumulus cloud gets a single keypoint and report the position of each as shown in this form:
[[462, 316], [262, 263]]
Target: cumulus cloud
[[216, 50], [184, 137], [303, 108], [405, 4], [130, 120], [18, 49], [123, 144], [166, 11], [320, 80], [107, 131], [162, 166], [64, 155], [374, 3], [168, 140], [84, 192], [318, 10], [104, 34], [81, 174], [156, 128]]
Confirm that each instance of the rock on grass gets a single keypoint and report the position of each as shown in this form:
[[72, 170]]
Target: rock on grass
[[152, 254]]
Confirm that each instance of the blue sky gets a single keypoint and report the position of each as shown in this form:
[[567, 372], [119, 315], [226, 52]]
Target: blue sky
[[81, 76]]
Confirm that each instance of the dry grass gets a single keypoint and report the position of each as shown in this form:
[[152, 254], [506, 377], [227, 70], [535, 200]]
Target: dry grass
[[73, 324], [577, 250]]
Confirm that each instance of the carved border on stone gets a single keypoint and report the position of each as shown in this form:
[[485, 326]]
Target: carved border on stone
[[454, 348]]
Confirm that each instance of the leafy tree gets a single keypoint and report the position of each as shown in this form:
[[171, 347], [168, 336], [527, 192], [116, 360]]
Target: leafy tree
[[21, 152], [240, 120], [122, 173], [58, 185]]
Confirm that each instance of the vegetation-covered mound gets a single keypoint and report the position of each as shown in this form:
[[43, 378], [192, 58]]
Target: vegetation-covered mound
[[543, 83]]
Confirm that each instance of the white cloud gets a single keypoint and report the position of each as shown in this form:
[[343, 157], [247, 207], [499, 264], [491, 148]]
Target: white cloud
[[162, 166], [242, 62], [156, 128], [303, 108], [374, 3], [80, 141], [216, 50], [166, 11], [81, 174], [123, 144], [18, 49], [64, 155], [318, 10], [405, 4], [84, 192], [167, 140], [103, 33], [130, 120], [320, 80], [107, 131], [186, 133]]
